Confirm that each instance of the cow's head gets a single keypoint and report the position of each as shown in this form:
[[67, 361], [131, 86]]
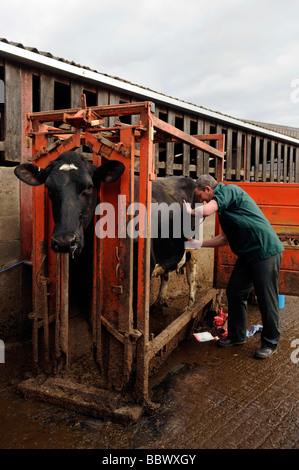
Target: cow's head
[[71, 181]]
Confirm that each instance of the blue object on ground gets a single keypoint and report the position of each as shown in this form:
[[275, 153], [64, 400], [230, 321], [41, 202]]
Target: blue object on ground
[[254, 329], [281, 301]]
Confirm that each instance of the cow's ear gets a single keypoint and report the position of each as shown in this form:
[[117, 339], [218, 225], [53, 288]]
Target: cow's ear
[[109, 172], [31, 174]]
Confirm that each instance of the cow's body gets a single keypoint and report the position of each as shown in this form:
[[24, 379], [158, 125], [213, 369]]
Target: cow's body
[[71, 180], [168, 254]]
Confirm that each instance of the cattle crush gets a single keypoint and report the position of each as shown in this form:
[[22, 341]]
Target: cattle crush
[[124, 349]]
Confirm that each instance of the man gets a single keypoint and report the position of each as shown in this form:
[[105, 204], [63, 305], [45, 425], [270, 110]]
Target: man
[[259, 250]]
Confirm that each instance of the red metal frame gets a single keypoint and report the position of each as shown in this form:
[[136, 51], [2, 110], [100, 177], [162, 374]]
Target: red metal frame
[[113, 257]]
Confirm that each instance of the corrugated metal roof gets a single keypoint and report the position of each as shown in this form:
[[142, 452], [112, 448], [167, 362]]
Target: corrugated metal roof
[[291, 134]]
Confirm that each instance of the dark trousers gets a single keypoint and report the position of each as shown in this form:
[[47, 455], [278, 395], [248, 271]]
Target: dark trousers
[[263, 276]]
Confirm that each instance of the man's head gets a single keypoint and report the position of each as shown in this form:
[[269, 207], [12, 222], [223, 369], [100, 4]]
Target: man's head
[[204, 188]]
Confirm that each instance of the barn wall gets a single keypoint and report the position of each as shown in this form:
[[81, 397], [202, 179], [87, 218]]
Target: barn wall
[[250, 156]]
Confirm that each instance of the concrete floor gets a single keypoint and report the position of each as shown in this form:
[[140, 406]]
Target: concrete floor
[[210, 398]]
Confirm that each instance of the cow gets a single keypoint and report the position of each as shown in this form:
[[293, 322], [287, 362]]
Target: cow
[[71, 181], [169, 254]]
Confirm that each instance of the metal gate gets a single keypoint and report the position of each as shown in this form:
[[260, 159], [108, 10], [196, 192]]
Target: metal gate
[[130, 345], [280, 204]]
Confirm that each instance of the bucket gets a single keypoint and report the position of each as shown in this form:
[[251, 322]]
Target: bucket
[[281, 301]]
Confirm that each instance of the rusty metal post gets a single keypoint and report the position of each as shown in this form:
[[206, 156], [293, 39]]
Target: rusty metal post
[[146, 173]]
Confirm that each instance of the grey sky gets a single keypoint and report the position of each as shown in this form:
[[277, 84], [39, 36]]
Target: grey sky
[[233, 56]]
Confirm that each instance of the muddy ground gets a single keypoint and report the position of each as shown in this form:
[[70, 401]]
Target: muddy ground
[[210, 398]]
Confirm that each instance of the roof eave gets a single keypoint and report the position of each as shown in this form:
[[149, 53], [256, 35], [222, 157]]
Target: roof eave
[[41, 61]]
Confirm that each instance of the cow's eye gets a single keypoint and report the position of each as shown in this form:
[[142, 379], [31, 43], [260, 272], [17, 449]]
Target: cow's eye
[[87, 190]]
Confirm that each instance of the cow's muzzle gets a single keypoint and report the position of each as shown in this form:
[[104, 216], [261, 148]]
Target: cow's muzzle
[[65, 243]]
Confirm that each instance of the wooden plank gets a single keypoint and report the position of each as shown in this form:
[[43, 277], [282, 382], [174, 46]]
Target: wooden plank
[[176, 326], [239, 160], [76, 91], [46, 92], [248, 157], [113, 99], [279, 159], [229, 153], [186, 148], [26, 152], [264, 167], [272, 157], [157, 145], [12, 116], [170, 146], [103, 100], [285, 163], [206, 156], [257, 159], [219, 130], [199, 154], [91, 401]]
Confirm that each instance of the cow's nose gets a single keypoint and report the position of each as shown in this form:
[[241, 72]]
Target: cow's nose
[[64, 243]]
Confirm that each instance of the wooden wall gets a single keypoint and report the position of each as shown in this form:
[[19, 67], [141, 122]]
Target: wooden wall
[[249, 156]]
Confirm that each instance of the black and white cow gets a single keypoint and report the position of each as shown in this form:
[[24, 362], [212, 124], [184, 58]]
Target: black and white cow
[[169, 254], [71, 180]]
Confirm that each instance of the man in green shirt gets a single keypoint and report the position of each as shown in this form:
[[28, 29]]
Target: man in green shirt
[[250, 236]]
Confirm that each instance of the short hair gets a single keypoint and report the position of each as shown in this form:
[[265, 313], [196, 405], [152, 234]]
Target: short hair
[[205, 180]]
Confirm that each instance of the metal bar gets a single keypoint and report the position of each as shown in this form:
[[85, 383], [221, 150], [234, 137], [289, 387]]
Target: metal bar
[[96, 323], [176, 326], [64, 306], [185, 138], [57, 309], [44, 284], [38, 265], [108, 110], [143, 282]]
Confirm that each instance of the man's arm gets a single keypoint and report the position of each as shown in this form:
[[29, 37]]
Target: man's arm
[[220, 240], [203, 210]]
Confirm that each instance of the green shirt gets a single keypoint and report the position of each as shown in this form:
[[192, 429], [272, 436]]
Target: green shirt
[[248, 231]]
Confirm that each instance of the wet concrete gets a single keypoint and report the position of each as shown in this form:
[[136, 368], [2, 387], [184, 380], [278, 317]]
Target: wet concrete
[[210, 398]]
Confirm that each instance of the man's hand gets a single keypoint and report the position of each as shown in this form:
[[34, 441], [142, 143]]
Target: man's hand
[[188, 208], [193, 244]]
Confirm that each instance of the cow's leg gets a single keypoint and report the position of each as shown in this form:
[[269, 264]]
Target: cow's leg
[[162, 297], [191, 271]]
